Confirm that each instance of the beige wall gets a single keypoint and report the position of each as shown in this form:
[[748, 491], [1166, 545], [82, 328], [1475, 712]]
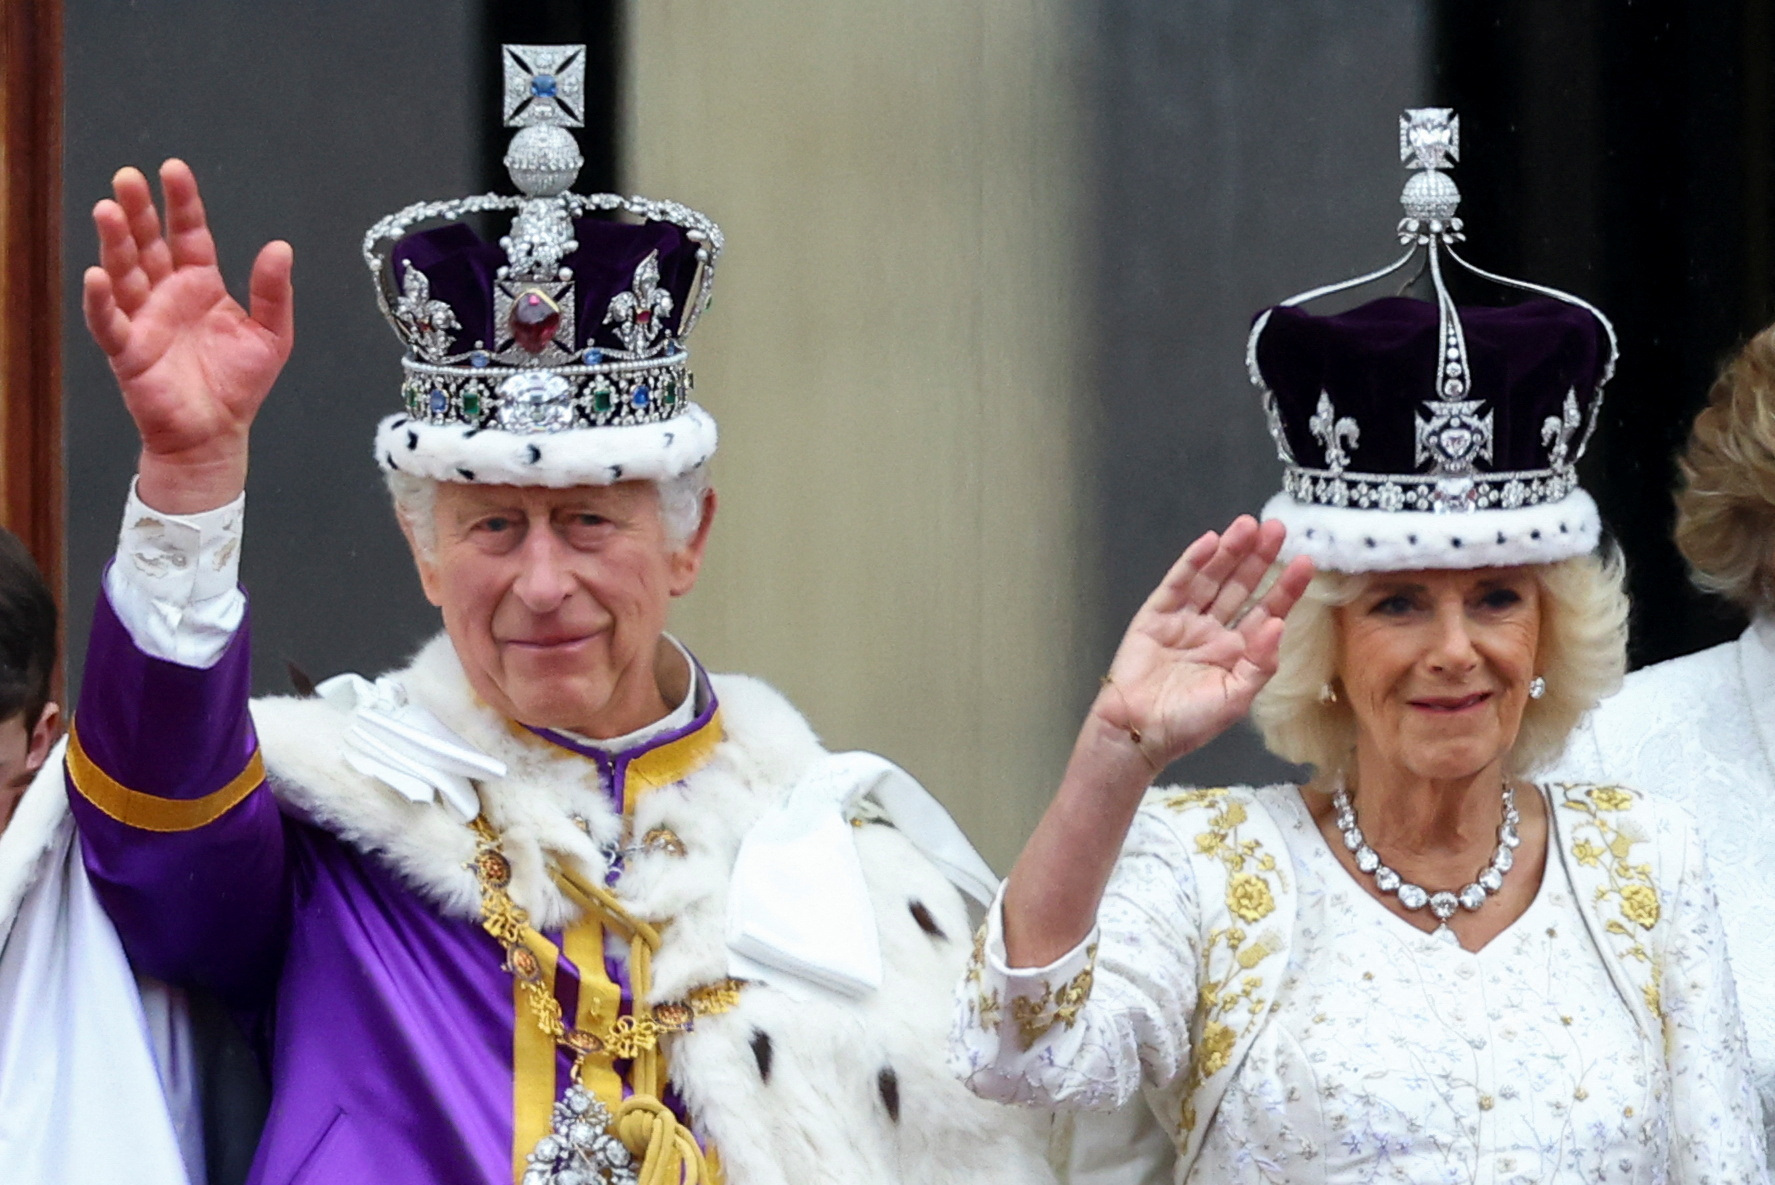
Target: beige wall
[[891, 355]]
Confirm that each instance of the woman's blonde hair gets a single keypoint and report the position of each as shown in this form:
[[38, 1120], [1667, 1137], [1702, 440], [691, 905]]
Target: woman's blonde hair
[[1725, 505], [1582, 656]]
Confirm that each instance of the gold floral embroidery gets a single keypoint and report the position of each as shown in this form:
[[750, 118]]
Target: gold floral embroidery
[[1216, 1047], [1226, 1007], [1639, 903], [1630, 884], [1036, 1016], [988, 1010], [1249, 897]]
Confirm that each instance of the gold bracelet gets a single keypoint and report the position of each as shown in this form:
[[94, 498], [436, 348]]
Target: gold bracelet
[[1133, 733]]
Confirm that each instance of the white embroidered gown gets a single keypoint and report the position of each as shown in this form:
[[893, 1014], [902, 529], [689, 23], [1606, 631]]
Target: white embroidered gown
[[1390, 1054], [1700, 730]]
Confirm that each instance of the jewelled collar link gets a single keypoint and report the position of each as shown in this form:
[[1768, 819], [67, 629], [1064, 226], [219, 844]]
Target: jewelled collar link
[[1414, 897]]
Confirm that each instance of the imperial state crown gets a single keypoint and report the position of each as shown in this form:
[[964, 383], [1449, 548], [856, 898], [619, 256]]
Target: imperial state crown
[[556, 355]]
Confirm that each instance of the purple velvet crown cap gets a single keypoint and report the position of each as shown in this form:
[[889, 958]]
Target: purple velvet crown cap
[[1379, 363], [461, 267]]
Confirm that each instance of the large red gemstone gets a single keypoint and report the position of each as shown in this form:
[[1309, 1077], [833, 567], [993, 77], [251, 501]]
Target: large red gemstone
[[534, 319]]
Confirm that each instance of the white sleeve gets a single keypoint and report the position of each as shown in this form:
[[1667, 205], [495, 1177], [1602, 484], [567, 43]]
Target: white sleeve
[[1717, 1120], [175, 583], [1084, 1031]]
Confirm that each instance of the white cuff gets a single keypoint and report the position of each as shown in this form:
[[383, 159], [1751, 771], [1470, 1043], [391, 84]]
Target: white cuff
[[175, 583], [1030, 980]]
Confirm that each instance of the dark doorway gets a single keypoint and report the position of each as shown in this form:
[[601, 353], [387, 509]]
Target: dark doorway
[[1622, 151]]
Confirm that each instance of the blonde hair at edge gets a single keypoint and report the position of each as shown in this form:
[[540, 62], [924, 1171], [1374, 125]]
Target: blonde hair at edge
[[1583, 655], [680, 504], [1725, 508]]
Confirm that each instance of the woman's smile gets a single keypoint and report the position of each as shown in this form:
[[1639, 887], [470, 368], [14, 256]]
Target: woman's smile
[[1449, 705]]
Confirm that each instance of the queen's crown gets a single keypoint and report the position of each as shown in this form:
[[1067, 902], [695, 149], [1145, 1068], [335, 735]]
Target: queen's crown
[[577, 317], [1403, 404]]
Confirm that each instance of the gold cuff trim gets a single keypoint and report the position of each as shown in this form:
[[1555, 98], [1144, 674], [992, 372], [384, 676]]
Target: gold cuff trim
[[149, 812]]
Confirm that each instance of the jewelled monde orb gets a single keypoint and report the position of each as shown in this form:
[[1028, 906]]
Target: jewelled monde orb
[[535, 403]]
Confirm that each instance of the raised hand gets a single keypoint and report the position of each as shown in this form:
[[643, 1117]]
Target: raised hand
[[193, 365], [1190, 663], [1188, 667]]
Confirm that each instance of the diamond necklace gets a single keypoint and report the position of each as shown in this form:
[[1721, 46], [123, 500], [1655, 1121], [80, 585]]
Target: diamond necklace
[[1414, 897]]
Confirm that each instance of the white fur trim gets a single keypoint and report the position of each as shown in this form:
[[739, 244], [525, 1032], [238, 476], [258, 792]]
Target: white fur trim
[[576, 457], [793, 1091], [1348, 539]]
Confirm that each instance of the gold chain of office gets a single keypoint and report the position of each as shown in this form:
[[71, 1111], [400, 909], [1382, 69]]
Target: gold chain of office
[[624, 1036]]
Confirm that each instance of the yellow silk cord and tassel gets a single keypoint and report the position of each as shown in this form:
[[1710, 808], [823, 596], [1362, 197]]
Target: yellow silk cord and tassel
[[664, 1149]]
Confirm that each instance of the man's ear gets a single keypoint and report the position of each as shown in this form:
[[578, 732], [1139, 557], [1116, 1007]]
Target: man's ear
[[43, 735], [422, 560], [687, 561]]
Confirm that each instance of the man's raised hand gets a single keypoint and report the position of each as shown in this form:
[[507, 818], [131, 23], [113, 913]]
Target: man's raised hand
[[192, 364]]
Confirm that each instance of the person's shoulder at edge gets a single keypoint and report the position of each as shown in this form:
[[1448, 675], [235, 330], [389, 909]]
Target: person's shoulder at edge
[[1689, 685]]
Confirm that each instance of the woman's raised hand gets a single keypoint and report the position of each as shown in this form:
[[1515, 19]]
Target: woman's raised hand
[[1194, 657], [193, 365]]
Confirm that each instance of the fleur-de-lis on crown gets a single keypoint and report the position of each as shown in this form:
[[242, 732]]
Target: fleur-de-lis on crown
[[640, 313], [1557, 431], [1332, 432], [428, 323]]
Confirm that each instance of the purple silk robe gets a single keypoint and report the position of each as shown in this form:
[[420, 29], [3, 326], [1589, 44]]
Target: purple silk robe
[[388, 1030]]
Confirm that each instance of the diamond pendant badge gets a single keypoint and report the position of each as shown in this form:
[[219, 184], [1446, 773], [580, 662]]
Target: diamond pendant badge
[[579, 1150]]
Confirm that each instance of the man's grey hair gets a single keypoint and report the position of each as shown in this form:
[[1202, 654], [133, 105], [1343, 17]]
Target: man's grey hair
[[680, 505]]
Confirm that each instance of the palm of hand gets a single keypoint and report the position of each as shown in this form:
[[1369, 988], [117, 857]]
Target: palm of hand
[[1199, 650], [1183, 678], [194, 366]]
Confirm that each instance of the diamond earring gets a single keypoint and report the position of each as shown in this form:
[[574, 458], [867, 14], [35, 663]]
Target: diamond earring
[[1327, 693], [1537, 687]]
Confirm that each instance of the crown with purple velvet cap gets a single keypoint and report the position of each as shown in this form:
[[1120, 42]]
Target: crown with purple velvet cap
[[1421, 435], [555, 356]]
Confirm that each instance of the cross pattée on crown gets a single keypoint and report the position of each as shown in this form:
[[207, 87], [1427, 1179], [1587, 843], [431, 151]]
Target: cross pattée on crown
[[1429, 137], [544, 84]]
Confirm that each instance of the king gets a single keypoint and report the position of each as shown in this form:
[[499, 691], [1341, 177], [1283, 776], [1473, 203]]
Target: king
[[552, 904]]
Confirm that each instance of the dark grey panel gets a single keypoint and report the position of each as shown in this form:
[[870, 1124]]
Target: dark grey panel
[[1242, 153], [305, 121]]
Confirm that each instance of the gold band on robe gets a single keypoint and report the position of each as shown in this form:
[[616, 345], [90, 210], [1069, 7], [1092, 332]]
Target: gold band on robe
[[150, 812]]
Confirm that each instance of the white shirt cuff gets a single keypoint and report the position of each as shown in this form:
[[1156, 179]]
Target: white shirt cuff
[[175, 583], [1030, 980]]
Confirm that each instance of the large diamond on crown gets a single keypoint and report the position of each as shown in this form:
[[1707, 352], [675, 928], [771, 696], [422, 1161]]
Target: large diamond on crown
[[537, 402]]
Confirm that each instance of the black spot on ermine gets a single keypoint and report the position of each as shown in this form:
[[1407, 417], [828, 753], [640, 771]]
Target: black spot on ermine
[[888, 1083], [926, 922], [467, 474], [535, 454], [412, 440], [761, 1052]]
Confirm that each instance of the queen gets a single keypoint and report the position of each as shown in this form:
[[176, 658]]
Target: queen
[[1422, 964]]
